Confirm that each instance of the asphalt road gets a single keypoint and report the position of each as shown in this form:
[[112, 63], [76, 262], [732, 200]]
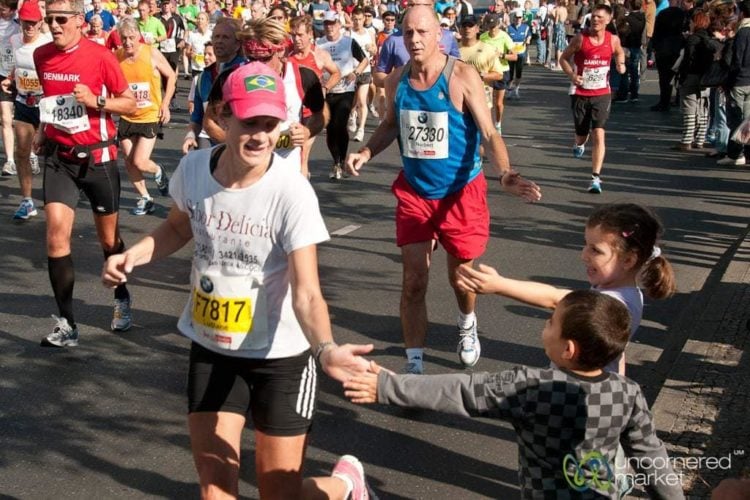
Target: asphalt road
[[108, 419]]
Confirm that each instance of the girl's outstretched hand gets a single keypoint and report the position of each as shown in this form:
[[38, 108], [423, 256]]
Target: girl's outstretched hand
[[484, 279]]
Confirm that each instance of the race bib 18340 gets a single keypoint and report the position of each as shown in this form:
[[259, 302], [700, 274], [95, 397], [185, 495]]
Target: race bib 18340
[[65, 113], [424, 134]]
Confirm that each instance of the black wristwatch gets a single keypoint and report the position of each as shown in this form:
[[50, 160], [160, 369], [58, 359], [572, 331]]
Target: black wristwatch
[[101, 101]]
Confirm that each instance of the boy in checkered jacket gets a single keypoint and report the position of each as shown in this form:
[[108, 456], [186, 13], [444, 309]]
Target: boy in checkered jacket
[[569, 418]]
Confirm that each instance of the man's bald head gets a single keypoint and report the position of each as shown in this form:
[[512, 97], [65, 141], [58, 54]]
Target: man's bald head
[[419, 11], [422, 32]]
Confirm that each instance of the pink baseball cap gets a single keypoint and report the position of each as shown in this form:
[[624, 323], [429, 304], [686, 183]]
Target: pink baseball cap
[[254, 89]]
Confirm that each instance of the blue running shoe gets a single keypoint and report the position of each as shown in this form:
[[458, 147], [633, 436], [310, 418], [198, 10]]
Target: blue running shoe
[[122, 317], [25, 210], [578, 150], [595, 186]]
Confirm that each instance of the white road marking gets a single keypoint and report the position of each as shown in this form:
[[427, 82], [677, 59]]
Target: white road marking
[[514, 136], [345, 230]]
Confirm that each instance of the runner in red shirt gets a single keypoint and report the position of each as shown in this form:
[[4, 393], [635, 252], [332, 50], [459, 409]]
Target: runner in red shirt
[[82, 84], [591, 51]]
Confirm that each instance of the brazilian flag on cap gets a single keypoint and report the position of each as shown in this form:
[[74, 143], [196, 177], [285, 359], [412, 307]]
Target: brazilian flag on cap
[[260, 82]]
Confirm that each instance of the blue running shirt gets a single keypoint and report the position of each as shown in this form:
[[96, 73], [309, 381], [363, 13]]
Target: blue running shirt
[[439, 144]]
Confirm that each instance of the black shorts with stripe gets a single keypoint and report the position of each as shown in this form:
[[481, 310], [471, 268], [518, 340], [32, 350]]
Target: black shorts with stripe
[[66, 178], [279, 394]]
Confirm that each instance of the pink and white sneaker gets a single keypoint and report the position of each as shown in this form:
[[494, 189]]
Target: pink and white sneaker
[[350, 469]]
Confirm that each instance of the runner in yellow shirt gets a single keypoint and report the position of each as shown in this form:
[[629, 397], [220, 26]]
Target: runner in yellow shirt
[[483, 56], [498, 38], [144, 67]]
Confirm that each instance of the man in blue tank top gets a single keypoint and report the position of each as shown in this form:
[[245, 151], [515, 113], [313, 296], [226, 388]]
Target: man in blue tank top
[[439, 117]]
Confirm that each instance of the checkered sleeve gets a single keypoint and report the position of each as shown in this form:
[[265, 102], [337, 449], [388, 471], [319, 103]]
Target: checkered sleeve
[[487, 394], [646, 451]]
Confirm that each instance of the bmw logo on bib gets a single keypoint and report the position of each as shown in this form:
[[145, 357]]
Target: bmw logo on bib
[[206, 284], [60, 100], [422, 118]]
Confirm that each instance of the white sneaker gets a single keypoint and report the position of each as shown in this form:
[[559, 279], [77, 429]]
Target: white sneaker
[[9, 168], [724, 161], [34, 160], [336, 172], [469, 348], [63, 335], [351, 125], [359, 136], [373, 111]]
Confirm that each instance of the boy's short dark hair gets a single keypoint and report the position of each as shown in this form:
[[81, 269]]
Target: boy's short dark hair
[[598, 323]]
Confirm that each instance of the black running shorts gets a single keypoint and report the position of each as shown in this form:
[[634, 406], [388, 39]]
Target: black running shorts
[[26, 114], [503, 83], [64, 180], [278, 393], [590, 112], [129, 130]]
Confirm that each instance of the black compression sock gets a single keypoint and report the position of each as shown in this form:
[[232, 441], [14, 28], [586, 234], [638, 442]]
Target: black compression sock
[[121, 292], [62, 277]]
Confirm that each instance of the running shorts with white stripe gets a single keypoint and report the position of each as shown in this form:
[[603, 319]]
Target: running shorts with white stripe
[[279, 394]]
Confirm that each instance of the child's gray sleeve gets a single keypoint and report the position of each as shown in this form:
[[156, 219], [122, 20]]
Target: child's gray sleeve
[[647, 454], [459, 393]]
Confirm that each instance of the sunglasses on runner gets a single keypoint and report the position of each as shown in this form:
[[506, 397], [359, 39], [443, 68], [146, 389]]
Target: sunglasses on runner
[[61, 20]]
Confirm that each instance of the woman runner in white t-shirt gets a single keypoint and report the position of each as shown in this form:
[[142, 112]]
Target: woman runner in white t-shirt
[[256, 314]]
